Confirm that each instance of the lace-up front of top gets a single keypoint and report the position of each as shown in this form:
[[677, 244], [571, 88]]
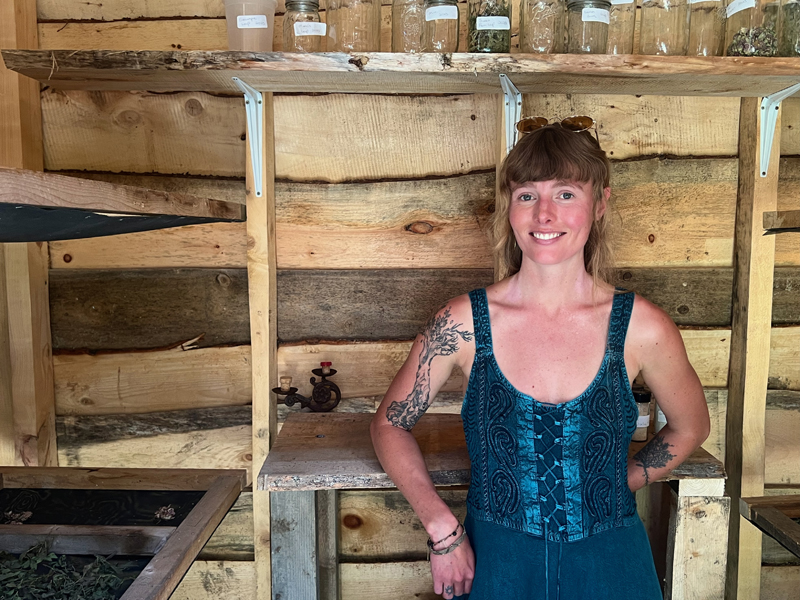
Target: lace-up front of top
[[553, 470]]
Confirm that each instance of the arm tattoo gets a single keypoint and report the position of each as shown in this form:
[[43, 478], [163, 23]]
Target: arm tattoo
[[440, 338], [655, 455]]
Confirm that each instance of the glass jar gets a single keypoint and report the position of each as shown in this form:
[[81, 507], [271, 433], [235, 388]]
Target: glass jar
[[489, 27], [789, 41], [542, 26], [621, 25], [752, 28], [407, 20], [587, 26], [706, 28], [354, 25], [302, 29], [441, 27], [664, 28], [642, 398]]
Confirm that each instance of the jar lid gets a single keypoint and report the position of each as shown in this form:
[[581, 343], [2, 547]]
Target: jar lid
[[641, 396], [589, 4], [441, 3], [312, 5]]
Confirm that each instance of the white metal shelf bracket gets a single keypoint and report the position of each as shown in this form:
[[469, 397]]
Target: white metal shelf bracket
[[253, 101], [769, 118], [513, 108]]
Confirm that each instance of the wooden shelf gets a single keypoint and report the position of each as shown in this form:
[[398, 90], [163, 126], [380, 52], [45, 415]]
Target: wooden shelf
[[44, 207], [384, 72], [782, 221], [317, 451]]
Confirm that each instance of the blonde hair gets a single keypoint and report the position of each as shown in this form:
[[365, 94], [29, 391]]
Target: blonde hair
[[546, 154]]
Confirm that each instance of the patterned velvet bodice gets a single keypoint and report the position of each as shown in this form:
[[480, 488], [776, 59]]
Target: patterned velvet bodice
[[555, 470]]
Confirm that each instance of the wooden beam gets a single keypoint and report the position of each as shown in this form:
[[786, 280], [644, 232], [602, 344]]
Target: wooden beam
[[85, 539], [111, 479], [48, 190], [262, 285], [165, 571], [328, 543], [295, 571], [748, 374], [8, 450], [775, 523], [782, 221]]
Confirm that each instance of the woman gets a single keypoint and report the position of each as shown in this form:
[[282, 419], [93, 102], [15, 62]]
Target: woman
[[551, 350]]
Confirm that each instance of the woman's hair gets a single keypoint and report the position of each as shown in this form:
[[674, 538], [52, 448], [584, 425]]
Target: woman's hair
[[553, 153]]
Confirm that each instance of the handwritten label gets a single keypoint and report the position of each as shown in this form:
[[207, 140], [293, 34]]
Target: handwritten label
[[441, 12], [251, 21], [595, 15], [738, 6], [615, 2], [643, 421], [486, 23], [309, 29]]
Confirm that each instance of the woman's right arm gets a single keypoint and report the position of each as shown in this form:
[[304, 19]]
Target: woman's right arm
[[442, 345]]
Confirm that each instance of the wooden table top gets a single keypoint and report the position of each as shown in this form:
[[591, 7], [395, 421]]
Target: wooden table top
[[317, 451]]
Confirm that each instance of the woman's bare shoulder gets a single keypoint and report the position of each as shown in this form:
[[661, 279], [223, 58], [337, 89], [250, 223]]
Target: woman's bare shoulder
[[651, 329]]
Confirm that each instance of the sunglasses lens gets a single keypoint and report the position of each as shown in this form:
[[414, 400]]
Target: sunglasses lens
[[579, 123], [531, 124]]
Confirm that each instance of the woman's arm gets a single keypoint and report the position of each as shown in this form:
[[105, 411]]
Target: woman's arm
[[658, 347], [433, 355]]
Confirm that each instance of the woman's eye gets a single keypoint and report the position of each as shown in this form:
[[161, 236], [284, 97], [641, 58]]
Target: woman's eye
[[525, 197], [567, 195]]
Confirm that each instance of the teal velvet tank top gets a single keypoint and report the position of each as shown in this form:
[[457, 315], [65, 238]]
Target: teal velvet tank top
[[559, 471]]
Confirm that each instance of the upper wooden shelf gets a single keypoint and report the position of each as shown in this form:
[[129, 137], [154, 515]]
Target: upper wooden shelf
[[332, 450], [383, 72]]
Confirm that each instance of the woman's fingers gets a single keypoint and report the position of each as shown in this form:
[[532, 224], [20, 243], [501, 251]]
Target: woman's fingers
[[448, 591]]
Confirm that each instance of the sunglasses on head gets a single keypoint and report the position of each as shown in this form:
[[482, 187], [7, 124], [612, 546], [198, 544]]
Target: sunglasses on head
[[575, 123]]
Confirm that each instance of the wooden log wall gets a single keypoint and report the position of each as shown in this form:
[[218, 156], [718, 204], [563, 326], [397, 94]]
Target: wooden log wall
[[380, 204]]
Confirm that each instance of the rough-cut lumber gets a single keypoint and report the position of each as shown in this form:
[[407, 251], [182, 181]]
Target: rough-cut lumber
[[782, 221], [780, 583], [753, 263], [85, 539], [109, 479], [49, 190], [327, 516], [293, 541], [775, 522], [387, 580], [212, 580], [233, 539], [398, 73], [8, 450]]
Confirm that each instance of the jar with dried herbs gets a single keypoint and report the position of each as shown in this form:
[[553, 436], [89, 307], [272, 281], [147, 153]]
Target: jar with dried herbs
[[587, 26], [302, 29], [706, 28], [407, 20], [489, 26], [542, 26], [789, 43], [440, 29], [664, 28], [354, 25], [752, 28], [621, 24]]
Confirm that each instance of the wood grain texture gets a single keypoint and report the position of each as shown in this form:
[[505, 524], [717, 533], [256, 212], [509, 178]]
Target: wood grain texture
[[294, 545], [8, 450], [109, 479], [783, 221], [211, 580], [362, 581], [780, 583], [85, 539], [233, 539], [779, 526]]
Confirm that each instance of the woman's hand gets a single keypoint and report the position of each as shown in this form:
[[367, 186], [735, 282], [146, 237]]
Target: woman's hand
[[453, 573]]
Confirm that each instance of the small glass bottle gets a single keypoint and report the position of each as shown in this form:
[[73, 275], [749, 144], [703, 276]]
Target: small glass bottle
[[542, 26], [752, 28], [621, 26], [489, 27], [789, 42], [441, 26], [302, 29], [407, 22], [354, 25], [642, 398], [706, 28], [587, 26], [664, 27]]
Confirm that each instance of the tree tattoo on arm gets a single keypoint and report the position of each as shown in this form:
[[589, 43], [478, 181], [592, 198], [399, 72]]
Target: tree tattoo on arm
[[439, 338], [655, 455]]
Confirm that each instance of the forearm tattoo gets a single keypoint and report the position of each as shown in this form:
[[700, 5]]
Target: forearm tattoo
[[439, 338], [655, 455]]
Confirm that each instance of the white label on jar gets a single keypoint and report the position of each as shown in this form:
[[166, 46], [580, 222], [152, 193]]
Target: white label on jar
[[307, 28], [441, 12], [595, 15], [738, 6], [485, 23], [643, 421], [621, 1], [699, 1], [251, 21]]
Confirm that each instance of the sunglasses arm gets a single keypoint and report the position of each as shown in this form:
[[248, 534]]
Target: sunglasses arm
[[513, 109]]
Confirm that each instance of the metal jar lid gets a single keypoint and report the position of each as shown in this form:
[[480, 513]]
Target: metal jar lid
[[303, 5], [573, 4], [440, 3]]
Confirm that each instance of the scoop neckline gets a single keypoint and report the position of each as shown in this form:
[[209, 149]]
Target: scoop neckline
[[550, 405]]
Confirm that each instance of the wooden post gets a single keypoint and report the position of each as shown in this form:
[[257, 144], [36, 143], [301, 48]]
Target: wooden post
[[27, 435], [328, 543], [262, 284], [295, 571], [753, 262]]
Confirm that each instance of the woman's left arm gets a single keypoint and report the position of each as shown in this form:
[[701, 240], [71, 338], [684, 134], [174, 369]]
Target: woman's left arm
[[655, 344]]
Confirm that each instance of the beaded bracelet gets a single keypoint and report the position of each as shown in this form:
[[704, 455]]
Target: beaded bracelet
[[449, 548]]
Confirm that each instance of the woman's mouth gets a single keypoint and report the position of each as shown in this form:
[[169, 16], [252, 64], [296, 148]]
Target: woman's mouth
[[550, 235]]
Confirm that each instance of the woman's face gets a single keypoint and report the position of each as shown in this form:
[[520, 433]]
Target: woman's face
[[552, 219]]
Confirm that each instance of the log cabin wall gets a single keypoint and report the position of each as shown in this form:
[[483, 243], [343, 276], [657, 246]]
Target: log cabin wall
[[380, 201]]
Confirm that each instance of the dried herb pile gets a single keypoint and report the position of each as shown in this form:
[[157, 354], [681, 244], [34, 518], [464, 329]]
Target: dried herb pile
[[754, 41], [40, 574], [489, 40], [790, 34]]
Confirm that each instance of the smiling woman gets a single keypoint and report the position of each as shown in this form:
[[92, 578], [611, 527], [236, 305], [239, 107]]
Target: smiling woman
[[552, 349]]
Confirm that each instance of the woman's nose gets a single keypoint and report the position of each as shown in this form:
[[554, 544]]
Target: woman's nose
[[544, 210]]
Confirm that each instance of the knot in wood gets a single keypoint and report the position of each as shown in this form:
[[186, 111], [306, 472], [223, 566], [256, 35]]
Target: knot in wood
[[627, 276], [683, 309], [129, 118], [224, 280], [359, 62], [193, 107], [352, 521], [651, 238], [420, 227]]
